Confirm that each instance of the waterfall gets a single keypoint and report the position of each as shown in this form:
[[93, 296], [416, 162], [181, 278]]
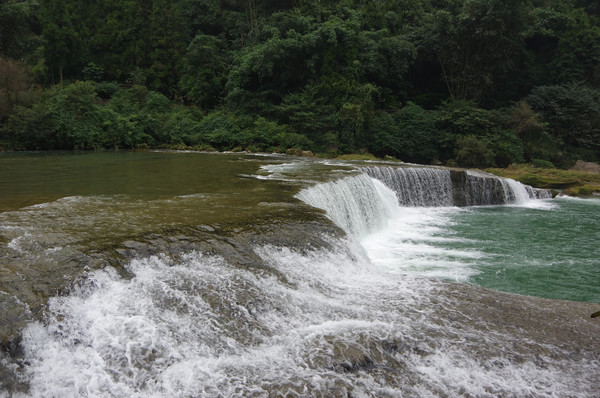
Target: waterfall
[[484, 189], [358, 204], [431, 187], [516, 192], [538, 193], [416, 186], [364, 203]]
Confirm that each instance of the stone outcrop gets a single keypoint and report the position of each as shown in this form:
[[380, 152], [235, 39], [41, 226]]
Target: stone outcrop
[[590, 167]]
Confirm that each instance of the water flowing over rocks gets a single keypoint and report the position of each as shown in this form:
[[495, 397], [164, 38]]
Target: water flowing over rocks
[[24, 298], [426, 186], [280, 301], [26, 289]]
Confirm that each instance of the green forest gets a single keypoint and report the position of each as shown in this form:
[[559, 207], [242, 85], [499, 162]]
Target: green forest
[[473, 83]]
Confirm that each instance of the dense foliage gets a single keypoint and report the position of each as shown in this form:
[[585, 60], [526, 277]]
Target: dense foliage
[[462, 82]]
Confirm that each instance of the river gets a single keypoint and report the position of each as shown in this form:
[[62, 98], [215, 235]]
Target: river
[[175, 274]]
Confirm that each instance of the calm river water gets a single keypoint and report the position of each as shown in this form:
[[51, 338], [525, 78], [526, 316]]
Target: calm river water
[[188, 274]]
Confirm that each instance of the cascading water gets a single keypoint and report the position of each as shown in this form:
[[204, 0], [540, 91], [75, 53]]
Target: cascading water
[[175, 301], [401, 216], [359, 205], [416, 186], [483, 189], [431, 187]]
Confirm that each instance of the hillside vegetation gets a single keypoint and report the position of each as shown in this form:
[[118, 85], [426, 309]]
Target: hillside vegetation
[[473, 83]]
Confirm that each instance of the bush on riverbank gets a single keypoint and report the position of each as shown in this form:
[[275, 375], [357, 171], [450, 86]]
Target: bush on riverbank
[[75, 116]]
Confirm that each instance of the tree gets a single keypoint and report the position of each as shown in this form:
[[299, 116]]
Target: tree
[[117, 30], [467, 130], [476, 43], [14, 84], [29, 128], [18, 28], [409, 134], [572, 113], [473, 152], [166, 48], [74, 114], [62, 42], [203, 81], [578, 51], [533, 132]]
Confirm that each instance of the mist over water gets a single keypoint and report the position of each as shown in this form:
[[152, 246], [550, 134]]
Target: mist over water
[[220, 292]]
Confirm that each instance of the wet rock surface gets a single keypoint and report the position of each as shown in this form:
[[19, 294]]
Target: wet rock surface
[[555, 329], [27, 285], [552, 331]]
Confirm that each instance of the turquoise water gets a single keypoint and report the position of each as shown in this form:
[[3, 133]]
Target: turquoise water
[[544, 248], [551, 252]]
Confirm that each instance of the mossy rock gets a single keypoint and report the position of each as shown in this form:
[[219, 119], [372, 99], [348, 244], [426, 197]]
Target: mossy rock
[[583, 190], [358, 156], [534, 180], [552, 181]]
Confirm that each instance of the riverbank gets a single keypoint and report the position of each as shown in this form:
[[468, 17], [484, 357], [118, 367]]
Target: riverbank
[[581, 183], [583, 180], [578, 181]]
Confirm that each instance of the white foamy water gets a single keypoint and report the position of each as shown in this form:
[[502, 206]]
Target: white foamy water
[[399, 239], [406, 227], [359, 204], [204, 328], [416, 241], [336, 326]]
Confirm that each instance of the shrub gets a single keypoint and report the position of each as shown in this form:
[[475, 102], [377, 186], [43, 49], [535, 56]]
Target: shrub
[[473, 152], [29, 128], [105, 90], [461, 118], [572, 112], [506, 147], [268, 134], [130, 100], [122, 131], [74, 114], [221, 131], [542, 164], [409, 134]]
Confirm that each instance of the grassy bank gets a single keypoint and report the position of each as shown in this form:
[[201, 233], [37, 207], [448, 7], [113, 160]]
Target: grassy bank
[[569, 182]]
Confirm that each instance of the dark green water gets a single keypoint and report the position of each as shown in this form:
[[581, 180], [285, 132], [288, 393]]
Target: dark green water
[[28, 179]]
